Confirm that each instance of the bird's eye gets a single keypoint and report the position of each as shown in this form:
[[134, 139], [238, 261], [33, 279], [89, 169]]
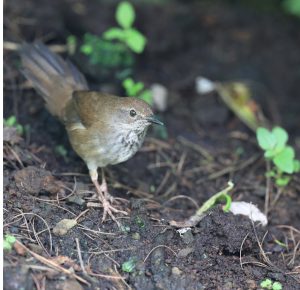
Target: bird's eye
[[132, 113]]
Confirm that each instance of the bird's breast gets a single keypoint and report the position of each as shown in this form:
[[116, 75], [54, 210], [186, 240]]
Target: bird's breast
[[127, 145], [106, 149]]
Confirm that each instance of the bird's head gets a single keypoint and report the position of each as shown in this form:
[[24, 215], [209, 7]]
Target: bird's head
[[135, 114]]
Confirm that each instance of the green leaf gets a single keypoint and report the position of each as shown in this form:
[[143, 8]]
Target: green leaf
[[114, 33], [281, 137], [283, 181], [10, 239], [61, 150], [147, 97], [296, 166], [285, 160], [267, 283], [125, 14], [128, 83], [132, 88], [292, 6], [129, 265], [71, 44], [6, 246], [86, 49], [277, 286], [212, 200], [11, 121], [135, 40], [138, 87], [269, 154], [20, 129], [270, 173], [265, 138]]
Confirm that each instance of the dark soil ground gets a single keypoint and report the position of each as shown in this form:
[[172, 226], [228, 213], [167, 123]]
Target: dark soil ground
[[166, 178]]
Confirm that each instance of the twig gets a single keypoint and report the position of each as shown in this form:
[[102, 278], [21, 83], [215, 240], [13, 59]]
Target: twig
[[196, 147], [53, 265], [185, 197], [13, 46], [229, 169], [80, 257], [241, 249], [159, 246], [268, 188]]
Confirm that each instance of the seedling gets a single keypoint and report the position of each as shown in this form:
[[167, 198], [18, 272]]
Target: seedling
[[140, 222], [268, 284], [62, 151], [280, 243], [8, 242], [114, 49], [129, 265], [106, 53], [126, 33], [12, 122], [71, 44], [222, 195], [210, 203], [274, 143], [136, 89], [292, 6]]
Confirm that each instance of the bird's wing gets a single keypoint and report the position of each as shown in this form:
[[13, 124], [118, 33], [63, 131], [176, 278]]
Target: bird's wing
[[89, 108]]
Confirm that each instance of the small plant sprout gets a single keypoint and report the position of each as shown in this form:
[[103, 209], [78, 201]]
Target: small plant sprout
[[125, 17], [62, 151], [136, 89], [129, 265], [222, 195], [292, 7], [71, 44], [268, 284], [274, 144], [140, 222], [12, 122], [116, 46], [8, 242]]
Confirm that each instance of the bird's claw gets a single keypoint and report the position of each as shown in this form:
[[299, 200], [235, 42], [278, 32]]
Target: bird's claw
[[108, 209]]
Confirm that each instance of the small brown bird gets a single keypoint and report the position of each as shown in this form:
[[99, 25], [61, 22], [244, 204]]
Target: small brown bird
[[103, 129]]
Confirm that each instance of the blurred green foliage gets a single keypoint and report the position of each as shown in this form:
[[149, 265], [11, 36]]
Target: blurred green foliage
[[12, 122], [116, 47], [292, 6], [136, 89], [274, 143]]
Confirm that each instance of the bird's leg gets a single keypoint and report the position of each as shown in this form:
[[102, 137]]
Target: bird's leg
[[104, 197], [104, 187]]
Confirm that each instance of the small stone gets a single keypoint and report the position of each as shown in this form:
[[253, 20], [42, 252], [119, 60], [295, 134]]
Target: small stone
[[136, 236], [64, 226], [176, 271], [71, 284], [187, 237], [160, 97], [185, 252], [35, 248], [251, 284], [204, 85], [34, 180], [11, 135], [76, 199]]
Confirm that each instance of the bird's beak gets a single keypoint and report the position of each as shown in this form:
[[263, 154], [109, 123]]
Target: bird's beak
[[152, 119]]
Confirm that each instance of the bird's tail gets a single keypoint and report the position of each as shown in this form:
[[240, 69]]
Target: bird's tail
[[53, 78]]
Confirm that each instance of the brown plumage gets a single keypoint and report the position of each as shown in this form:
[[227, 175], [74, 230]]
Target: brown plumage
[[103, 129]]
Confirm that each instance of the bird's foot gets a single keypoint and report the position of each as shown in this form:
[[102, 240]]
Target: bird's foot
[[108, 209], [106, 200]]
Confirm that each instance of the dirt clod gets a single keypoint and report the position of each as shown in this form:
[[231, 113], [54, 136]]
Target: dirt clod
[[62, 227], [34, 180]]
